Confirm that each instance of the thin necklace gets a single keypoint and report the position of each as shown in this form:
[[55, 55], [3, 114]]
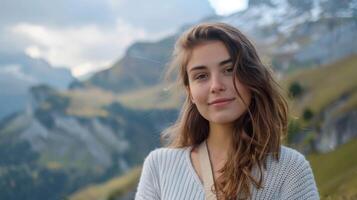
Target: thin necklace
[[214, 181]]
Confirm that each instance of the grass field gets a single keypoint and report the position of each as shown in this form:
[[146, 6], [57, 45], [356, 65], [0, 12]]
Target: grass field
[[336, 172], [324, 85], [114, 187]]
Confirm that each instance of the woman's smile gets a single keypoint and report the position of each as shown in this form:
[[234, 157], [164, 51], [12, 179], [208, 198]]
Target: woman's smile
[[221, 102]]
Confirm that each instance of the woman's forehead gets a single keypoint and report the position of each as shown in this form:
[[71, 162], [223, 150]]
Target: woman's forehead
[[207, 54]]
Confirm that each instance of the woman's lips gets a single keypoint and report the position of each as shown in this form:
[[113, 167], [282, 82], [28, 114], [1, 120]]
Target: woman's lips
[[221, 101]]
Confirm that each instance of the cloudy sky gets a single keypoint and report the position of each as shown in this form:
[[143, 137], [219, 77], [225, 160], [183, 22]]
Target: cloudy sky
[[87, 36]]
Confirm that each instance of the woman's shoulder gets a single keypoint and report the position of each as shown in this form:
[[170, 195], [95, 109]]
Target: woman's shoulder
[[162, 154], [289, 160], [168, 151], [288, 154], [295, 175], [288, 151]]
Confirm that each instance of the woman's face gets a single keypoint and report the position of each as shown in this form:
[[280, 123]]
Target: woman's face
[[210, 73]]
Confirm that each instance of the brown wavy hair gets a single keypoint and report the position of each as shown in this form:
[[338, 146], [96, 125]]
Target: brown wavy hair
[[257, 132]]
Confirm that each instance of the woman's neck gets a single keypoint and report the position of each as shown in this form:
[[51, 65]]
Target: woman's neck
[[219, 140]]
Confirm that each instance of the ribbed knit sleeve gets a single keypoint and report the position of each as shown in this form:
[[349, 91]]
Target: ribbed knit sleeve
[[148, 188], [299, 184]]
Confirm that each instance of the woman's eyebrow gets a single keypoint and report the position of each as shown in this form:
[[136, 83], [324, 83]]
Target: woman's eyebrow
[[229, 60], [200, 67]]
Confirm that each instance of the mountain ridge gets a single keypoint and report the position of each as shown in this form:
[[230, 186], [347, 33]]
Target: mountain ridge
[[285, 34]]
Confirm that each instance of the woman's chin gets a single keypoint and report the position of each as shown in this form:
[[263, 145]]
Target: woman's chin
[[222, 120]]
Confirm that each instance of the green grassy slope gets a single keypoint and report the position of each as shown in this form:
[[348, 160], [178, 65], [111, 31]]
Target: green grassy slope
[[336, 172], [90, 102], [114, 187], [324, 85]]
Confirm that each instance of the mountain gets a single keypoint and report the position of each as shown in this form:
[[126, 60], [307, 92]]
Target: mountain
[[288, 34], [67, 139], [80, 149], [141, 66], [296, 33], [324, 111], [18, 73], [102, 128]]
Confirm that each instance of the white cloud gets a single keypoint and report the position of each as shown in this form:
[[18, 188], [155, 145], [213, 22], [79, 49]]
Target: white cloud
[[226, 7], [15, 71], [33, 51], [83, 49]]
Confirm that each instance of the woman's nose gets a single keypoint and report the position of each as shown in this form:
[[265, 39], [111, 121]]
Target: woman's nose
[[217, 84]]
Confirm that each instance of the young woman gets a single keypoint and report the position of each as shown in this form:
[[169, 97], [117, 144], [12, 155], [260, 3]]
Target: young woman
[[226, 143]]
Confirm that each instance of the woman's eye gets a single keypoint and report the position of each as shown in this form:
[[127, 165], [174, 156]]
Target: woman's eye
[[200, 76], [229, 70]]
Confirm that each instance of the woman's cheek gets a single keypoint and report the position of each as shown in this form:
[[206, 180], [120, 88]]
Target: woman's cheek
[[199, 94]]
